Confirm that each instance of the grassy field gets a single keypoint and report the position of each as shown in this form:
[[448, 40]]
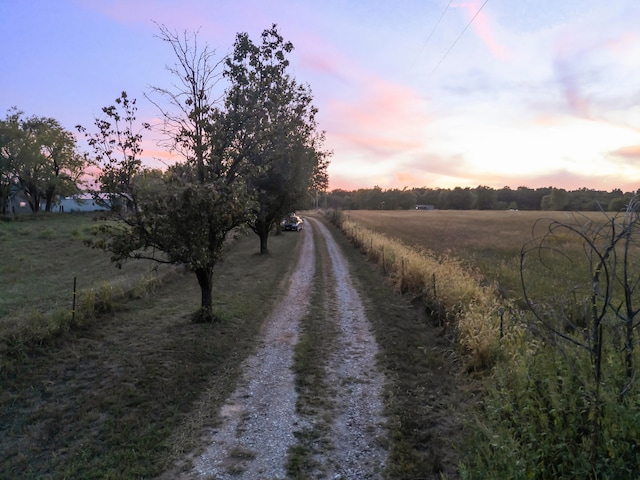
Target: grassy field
[[41, 255], [126, 393], [120, 395], [487, 242], [561, 379]]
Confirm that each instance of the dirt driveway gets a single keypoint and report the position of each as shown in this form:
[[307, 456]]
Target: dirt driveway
[[348, 379], [259, 422]]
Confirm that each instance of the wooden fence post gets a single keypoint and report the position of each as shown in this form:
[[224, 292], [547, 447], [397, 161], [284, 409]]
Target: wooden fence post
[[73, 307]]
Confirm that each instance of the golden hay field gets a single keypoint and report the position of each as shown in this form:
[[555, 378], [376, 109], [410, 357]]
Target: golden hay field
[[488, 242], [461, 232]]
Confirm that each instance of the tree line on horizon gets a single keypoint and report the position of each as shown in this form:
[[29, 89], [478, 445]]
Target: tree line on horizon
[[40, 159], [480, 198]]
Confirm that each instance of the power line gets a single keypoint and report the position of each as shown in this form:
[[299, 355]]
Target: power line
[[459, 36], [433, 30]]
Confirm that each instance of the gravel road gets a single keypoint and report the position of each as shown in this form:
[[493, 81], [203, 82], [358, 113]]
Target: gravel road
[[259, 420]]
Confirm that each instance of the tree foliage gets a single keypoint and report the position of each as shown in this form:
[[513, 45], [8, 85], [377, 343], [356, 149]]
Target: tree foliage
[[240, 148], [274, 122], [38, 157], [181, 216], [482, 198]]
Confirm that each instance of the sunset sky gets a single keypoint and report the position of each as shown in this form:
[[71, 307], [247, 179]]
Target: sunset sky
[[533, 93]]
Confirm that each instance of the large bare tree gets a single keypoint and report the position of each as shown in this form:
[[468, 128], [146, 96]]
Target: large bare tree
[[183, 215]]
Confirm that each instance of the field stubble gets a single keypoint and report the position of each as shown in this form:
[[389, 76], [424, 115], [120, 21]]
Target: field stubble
[[487, 243]]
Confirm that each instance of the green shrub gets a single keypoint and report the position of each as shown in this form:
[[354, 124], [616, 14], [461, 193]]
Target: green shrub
[[46, 233], [97, 301], [537, 422]]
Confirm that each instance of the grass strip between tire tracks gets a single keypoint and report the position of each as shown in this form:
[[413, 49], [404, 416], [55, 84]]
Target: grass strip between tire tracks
[[314, 348]]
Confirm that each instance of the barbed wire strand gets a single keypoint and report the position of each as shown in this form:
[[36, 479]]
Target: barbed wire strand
[[432, 32], [459, 36]]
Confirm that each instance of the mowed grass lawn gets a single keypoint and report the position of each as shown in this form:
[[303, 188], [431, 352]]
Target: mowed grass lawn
[[488, 243], [42, 254], [125, 393]]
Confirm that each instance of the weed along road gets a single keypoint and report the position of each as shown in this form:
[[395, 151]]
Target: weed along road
[[309, 401]]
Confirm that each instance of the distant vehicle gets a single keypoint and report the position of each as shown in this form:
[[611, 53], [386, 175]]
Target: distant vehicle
[[292, 223]]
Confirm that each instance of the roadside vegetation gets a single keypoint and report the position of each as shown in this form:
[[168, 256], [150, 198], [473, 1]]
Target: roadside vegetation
[[559, 362], [426, 397], [478, 386], [43, 259], [120, 393]]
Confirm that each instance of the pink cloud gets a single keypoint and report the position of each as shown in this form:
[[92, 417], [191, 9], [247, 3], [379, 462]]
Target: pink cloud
[[484, 28], [383, 107], [324, 63], [217, 22], [567, 75], [378, 145], [137, 11], [624, 43], [406, 178], [629, 153], [558, 179]]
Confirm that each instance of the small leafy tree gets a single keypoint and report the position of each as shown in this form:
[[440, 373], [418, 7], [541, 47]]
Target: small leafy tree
[[276, 129], [11, 143], [184, 215]]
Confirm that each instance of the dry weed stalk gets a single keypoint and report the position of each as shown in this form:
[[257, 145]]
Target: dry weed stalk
[[444, 286]]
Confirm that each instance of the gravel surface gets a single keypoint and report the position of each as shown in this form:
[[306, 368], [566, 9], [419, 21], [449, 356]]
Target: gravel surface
[[259, 419], [358, 422]]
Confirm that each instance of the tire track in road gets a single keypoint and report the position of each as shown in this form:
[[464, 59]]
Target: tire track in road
[[358, 421], [259, 420]]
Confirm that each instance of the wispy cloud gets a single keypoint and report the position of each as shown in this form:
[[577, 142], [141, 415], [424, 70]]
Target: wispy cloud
[[382, 118], [537, 92], [630, 153], [485, 28]]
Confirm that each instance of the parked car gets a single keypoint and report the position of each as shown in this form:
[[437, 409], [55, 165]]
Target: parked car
[[293, 223]]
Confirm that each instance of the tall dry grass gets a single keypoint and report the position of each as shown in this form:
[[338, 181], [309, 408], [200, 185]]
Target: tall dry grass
[[544, 405], [449, 291]]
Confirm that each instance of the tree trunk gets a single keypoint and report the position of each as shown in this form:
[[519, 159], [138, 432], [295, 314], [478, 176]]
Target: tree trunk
[[262, 229], [49, 200], [205, 280]]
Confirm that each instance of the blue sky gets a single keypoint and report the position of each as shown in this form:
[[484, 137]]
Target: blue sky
[[534, 93]]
